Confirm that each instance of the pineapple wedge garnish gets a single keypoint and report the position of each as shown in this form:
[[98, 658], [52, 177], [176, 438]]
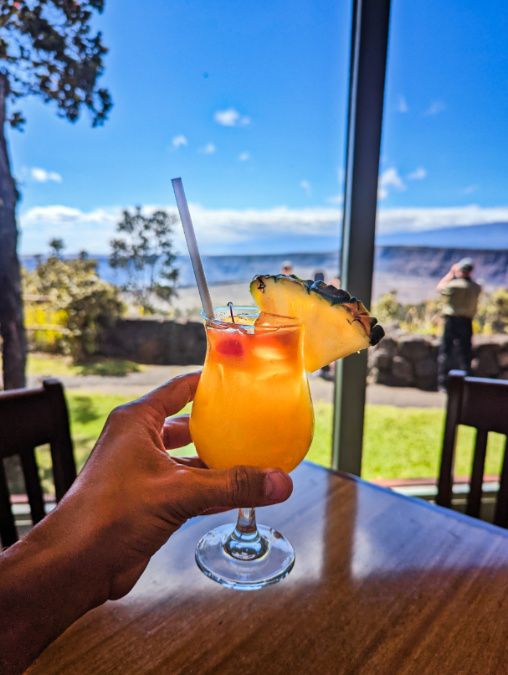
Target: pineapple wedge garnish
[[335, 323]]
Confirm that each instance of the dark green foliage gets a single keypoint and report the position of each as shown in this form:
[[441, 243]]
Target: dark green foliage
[[425, 317], [89, 314], [493, 313], [146, 251], [89, 305], [108, 367], [388, 308], [47, 48], [56, 246]]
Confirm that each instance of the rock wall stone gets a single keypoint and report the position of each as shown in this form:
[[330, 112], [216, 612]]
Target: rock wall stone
[[154, 341], [398, 360], [411, 360]]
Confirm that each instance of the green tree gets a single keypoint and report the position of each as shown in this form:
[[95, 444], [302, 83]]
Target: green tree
[[90, 304], [47, 49], [146, 252], [56, 246]]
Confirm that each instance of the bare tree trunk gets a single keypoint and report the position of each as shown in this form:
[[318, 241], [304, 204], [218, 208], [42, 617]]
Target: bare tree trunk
[[12, 328]]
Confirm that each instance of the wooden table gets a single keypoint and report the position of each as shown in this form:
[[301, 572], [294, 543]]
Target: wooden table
[[382, 584]]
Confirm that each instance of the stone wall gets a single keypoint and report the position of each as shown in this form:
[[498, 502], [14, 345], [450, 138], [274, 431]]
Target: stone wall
[[154, 341], [399, 360], [411, 360]]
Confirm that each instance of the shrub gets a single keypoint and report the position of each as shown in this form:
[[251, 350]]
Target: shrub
[[67, 305], [493, 313], [424, 317]]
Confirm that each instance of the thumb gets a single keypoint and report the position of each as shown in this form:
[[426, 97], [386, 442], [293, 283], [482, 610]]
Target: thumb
[[240, 486]]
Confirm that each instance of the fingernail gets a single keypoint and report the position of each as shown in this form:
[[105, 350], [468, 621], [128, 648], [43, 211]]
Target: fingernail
[[276, 486]]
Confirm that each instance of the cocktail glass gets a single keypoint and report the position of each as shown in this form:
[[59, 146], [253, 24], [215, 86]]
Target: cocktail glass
[[252, 407]]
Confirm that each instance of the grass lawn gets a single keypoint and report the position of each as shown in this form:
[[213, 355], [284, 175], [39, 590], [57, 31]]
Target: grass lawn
[[399, 442], [88, 412], [59, 366], [404, 443]]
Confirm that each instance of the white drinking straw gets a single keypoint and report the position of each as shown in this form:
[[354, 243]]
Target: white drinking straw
[[192, 245]]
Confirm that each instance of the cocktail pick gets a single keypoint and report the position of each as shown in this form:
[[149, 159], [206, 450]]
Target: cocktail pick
[[192, 245], [230, 305]]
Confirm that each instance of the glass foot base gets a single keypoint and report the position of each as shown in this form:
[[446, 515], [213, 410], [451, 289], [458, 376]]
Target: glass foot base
[[243, 564]]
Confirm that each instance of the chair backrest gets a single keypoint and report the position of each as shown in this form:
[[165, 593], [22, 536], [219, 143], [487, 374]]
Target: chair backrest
[[30, 418], [483, 404]]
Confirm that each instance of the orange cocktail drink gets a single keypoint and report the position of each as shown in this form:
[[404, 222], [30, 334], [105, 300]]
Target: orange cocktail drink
[[253, 404]]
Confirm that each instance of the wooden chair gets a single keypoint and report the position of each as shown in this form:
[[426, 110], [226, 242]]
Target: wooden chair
[[29, 418], [483, 404]]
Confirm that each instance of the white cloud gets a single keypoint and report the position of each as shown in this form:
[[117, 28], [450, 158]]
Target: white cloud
[[225, 230], [469, 189], [216, 230], [179, 141], [42, 176], [208, 149], [421, 219], [402, 106], [243, 156], [418, 174], [389, 178], [336, 199], [77, 228], [435, 108], [306, 186], [231, 118], [228, 227]]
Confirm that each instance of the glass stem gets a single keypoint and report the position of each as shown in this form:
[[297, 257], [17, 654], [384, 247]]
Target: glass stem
[[245, 542], [246, 523]]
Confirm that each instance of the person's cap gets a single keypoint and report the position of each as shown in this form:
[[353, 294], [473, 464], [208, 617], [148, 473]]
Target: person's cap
[[287, 263], [466, 264]]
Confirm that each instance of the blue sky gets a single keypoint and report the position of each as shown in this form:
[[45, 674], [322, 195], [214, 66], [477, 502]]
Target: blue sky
[[247, 103]]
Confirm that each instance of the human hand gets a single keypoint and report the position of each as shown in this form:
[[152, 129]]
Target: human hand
[[126, 502], [131, 495]]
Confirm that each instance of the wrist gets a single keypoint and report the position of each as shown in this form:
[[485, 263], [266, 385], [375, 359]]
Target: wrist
[[48, 580], [69, 540]]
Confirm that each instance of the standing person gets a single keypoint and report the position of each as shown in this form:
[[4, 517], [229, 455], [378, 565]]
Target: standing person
[[287, 267], [461, 294]]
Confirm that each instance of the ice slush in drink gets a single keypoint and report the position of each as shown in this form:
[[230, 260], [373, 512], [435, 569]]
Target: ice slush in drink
[[253, 403]]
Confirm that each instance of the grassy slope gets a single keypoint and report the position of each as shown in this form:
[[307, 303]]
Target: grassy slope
[[88, 413], [399, 442], [403, 443], [58, 366]]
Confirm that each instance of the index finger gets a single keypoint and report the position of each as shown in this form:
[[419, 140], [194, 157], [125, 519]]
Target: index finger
[[170, 398]]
